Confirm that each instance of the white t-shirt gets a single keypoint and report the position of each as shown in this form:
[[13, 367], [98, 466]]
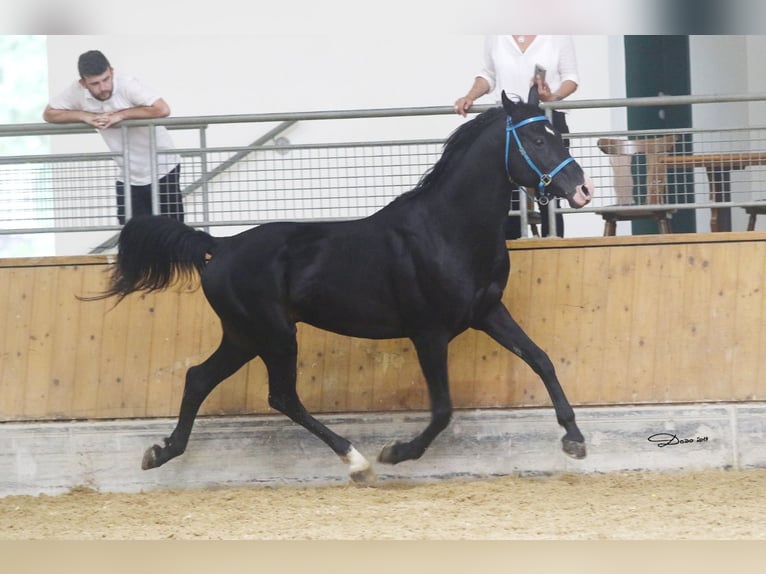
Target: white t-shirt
[[507, 68], [127, 93]]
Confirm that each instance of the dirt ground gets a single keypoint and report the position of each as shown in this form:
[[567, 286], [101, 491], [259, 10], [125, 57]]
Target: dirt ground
[[713, 504]]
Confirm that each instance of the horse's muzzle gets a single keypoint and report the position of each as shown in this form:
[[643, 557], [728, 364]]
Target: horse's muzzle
[[582, 195]]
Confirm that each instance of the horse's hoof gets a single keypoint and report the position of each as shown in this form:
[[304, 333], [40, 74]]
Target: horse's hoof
[[574, 449], [363, 477], [151, 457], [360, 469], [388, 453]]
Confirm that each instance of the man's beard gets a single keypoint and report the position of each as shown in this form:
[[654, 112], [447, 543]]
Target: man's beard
[[103, 96]]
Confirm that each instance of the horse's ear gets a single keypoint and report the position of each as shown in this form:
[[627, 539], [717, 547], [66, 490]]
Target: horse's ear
[[534, 96], [508, 104]]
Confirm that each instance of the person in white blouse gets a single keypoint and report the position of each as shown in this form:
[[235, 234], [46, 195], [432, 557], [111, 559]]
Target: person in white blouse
[[103, 98], [510, 64]]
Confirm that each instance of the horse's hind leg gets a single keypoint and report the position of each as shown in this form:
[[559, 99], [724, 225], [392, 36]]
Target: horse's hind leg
[[283, 396], [200, 381], [432, 353], [499, 325]]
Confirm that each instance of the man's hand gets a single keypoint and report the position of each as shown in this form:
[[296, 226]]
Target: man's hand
[[103, 121]]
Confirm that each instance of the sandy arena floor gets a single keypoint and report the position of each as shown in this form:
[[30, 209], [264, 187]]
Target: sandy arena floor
[[625, 506]]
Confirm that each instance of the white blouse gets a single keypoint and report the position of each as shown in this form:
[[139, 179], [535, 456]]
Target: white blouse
[[507, 68]]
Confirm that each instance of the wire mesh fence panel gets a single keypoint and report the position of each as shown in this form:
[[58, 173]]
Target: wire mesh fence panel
[[306, 182]]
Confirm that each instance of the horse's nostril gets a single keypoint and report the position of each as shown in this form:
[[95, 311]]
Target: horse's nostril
[[585, 191]]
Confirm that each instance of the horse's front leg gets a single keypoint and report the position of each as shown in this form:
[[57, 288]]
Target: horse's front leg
[[200, 381], [432, 354], [499, 325]]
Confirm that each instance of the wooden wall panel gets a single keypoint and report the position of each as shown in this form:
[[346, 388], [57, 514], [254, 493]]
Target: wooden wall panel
[[650, 319]]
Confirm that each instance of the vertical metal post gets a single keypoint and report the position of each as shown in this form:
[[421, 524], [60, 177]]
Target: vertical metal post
[[523, 208], [154, 171], [204, 176], [552, 203], [126, 173], [552, 210]]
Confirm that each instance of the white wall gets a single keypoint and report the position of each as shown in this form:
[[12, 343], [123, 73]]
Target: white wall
[[204, 75]]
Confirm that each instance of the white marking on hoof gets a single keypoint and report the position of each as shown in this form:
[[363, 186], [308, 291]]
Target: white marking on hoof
[[358, 466]]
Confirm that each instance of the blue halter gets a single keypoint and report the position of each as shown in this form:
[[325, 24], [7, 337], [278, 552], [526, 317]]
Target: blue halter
[[545, 178]]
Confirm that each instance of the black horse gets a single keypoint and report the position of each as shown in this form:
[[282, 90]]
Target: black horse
[[428, 266]]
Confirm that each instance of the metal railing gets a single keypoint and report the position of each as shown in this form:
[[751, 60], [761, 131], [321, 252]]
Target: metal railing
[[314, 165]]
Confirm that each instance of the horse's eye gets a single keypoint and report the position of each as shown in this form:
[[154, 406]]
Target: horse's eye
[[539, 142]]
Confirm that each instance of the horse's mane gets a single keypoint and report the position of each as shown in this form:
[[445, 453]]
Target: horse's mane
[[458, 141]]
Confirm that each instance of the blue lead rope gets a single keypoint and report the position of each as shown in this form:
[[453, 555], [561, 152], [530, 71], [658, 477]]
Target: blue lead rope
[[545, 178]]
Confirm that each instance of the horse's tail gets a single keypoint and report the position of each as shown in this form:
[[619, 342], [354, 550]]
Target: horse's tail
[[154, 252]]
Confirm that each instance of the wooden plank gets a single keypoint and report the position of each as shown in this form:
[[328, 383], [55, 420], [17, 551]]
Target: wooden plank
[[311, 367], [492, 386], [88, 355], [64, 341], [669, 297], [113, 360], [701, 298], [335, 383], [164, 366], [462, 372], [137, 345], [646, 326], [401, 364], [748, 346], [9, 393], [361, 382], [759, 374], [42, 293], [594, 329], [567, 346], [389, 390], [230, 397], [16, 346], [618, 298]]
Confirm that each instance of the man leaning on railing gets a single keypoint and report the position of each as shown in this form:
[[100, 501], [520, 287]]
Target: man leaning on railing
[[102, 98]]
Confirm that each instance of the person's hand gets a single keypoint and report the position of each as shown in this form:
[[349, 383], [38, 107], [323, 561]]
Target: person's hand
[[95, 120], [104, 121], [544, 91], [462, 105]]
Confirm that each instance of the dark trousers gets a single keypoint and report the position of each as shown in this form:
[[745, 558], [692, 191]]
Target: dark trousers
[[171, 202], [513, 224]]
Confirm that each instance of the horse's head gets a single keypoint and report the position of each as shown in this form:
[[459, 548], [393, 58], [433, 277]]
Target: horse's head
[[535, 155]]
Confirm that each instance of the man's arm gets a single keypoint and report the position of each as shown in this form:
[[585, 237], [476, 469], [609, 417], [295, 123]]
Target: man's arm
[[159, 109], [56, 116]]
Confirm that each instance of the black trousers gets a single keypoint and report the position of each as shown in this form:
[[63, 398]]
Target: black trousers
[[513, 224], [171, 202]]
